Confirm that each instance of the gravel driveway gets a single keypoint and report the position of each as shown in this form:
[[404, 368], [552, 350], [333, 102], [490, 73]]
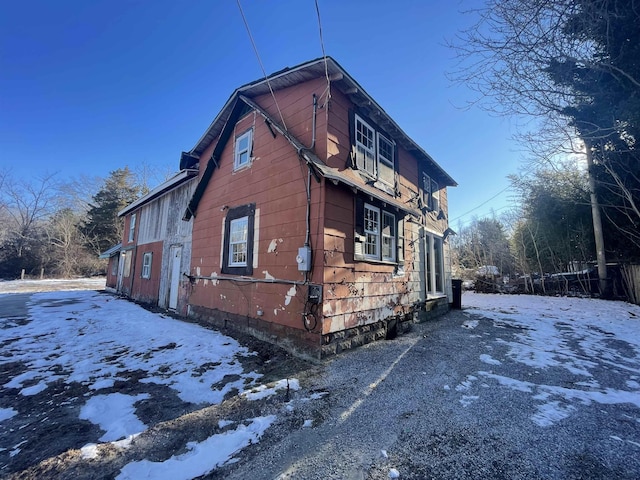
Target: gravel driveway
[[447, 401], [515, 388]]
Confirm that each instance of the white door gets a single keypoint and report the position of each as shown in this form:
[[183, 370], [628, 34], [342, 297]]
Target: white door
[[174, 280], [121, 262]]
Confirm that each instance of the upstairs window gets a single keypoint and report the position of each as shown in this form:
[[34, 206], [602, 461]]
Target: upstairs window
[[365, 147], [242, 152], [374, 152], [430, 193], [146, 264]]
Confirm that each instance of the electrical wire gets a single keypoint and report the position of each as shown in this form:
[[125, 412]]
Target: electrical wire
[[482, 204], [324, 55], [255, 49]]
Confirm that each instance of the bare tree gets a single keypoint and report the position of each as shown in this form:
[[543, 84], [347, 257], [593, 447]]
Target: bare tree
[[553, 61]]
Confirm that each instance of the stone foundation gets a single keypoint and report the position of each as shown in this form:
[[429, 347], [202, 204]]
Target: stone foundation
[[297, 341], [313, 345]]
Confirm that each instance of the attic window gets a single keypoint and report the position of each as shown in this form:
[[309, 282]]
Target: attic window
[[243, 146]]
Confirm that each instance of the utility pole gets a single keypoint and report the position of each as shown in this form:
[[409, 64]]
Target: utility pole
[[597, 224]]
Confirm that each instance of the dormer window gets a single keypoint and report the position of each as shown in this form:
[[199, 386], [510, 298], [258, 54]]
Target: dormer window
[[374, 152]]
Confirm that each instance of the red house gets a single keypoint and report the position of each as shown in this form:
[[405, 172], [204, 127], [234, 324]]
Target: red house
[[317, 223]]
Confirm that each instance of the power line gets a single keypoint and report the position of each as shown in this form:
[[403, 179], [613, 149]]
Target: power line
[[324, 55], [481, 205], [255, 49]]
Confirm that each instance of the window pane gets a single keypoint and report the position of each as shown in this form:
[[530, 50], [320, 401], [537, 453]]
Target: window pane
[[238, 234], [388, 237], [243, 149], [365, 147], [372, 231], [438, 261]]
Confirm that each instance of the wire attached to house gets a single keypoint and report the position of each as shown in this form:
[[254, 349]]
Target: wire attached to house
[[255, 49], [324, 55]]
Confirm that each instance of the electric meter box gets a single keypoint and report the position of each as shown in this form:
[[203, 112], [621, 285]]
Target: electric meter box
[[304, 259]]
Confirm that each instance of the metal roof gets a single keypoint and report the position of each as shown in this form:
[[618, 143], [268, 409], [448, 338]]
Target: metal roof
[[179, 178]]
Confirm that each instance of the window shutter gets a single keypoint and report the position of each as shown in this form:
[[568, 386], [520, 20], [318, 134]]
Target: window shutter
[[358, 234], [400, 247]]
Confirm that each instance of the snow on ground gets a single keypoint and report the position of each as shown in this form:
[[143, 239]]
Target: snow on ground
[[96, 339], [201, 457], [49, 284], [564, 333]]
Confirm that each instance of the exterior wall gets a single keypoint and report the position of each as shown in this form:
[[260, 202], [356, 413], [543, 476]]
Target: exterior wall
[[275, 181], [112, 271], [369, 294], [145, 290]]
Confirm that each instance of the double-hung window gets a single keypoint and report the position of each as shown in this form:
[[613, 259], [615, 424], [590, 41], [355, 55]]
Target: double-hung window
[[374, 152], [430, 193], [371, 232], [147, 258], [378, 234], [238, 236], [237, 249], [242, 152], [388, 236]]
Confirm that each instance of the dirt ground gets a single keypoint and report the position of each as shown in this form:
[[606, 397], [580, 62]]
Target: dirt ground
[[55, 434]]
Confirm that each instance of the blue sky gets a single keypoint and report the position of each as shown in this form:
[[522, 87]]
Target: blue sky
[[87, 87]]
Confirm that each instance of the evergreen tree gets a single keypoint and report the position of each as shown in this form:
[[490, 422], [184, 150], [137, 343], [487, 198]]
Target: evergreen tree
[[103, 227]]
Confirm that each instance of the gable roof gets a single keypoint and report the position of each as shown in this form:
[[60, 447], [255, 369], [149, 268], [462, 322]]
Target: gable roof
[[340, 79], [179, 178]]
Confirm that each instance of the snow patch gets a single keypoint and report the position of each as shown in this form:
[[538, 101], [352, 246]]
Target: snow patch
[[7, 413], [490, 360], [201, 457], [115, 414]]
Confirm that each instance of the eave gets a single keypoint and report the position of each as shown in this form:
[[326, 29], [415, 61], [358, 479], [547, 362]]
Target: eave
[[160, 190], [340, 79]]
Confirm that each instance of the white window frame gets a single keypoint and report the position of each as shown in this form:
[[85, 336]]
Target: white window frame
[[369, 151], [132, 227], [431, 192], [239, 161], [372, 232], [387, 162], [372, 153], [434, 266], [147, 260], [435, 195], [242, 222], [388, 219]]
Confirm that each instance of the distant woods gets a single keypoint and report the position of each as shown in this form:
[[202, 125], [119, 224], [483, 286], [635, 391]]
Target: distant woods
[[568, 71], [58, 226]]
